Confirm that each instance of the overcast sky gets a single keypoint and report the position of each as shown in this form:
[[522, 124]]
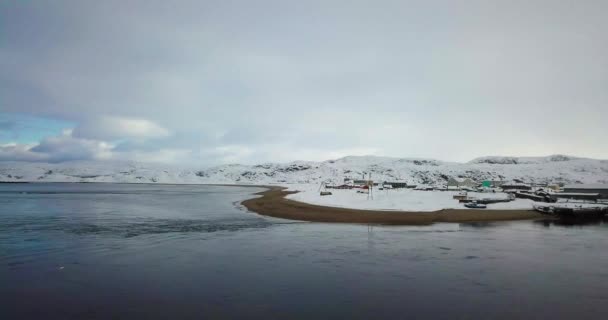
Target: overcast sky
[[211, 82]]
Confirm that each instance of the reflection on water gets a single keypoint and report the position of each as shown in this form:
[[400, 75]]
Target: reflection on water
[[74, 251], [484, 224], [573, 221], [549, 221]]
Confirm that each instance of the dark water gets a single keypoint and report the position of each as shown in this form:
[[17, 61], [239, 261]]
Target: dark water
[[82, 251]]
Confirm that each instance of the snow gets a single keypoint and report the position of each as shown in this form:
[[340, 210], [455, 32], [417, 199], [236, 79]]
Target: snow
[[398, 199], [429, 172], [307, 176]]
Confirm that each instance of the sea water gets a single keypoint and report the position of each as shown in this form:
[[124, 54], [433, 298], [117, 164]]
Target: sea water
[[100, 251]]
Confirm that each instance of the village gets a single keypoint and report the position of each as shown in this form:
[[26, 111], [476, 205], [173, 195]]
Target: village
[[460, 193]]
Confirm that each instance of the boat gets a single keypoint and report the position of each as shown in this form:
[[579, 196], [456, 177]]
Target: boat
[[461, 196], [546, 209], [493, 200], [475, 205]]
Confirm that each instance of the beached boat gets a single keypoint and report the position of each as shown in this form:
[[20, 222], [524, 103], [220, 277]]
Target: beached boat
[[494, 200], [461, 196], [546, 209], [475, 205]]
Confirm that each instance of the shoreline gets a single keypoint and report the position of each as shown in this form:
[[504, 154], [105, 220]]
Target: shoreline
[[274, 204]]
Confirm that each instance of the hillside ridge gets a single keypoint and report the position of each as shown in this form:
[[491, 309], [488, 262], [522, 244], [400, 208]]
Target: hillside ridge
[[548, 169]]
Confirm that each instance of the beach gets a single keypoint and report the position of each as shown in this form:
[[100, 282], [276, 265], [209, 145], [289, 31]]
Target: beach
[[273, 203]]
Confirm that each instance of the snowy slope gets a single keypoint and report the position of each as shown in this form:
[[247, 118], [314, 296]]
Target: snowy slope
[[551, 169]]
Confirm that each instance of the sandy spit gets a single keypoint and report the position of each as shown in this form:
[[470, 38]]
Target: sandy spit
[[273, 203]]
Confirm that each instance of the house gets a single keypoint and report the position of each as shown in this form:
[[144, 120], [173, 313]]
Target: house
[[455, 183], [395, 184], [364, 183], [600, 189], [342, 186], [360, 182], [534, 197], [492, 183], [515, 186]]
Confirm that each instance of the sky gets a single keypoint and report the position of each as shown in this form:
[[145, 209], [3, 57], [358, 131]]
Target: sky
[[215, 82]]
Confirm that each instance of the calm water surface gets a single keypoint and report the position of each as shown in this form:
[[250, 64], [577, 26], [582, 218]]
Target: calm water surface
[[83, 251]]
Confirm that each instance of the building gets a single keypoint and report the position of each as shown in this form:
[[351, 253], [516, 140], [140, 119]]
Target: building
[[459, 183], [575, 196], [364, 183], [600, 189], [357, 182], [342, 186], [396, 185], [534, 197], [492, 183], [515, 186]]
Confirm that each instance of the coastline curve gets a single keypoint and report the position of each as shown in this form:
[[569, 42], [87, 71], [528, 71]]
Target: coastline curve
[[273, 203]]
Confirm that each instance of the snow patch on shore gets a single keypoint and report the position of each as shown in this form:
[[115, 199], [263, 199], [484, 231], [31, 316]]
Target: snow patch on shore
[[398, 199]]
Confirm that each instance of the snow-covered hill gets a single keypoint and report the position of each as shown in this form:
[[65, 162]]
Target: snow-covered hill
[[551, 169]]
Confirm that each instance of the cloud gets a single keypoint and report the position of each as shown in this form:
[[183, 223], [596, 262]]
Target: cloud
[[67, 148], [285, 80], [169, 155], [63, 147], [19, 152], [227, 154], [112, 128]]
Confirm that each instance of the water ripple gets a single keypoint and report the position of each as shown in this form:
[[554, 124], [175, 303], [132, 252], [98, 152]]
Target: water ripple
[[130, 229]]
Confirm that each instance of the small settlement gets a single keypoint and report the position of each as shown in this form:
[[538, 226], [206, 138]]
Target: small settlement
[[576, 199]]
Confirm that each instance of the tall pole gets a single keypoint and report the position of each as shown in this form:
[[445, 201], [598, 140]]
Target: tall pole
[[370, 187]]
